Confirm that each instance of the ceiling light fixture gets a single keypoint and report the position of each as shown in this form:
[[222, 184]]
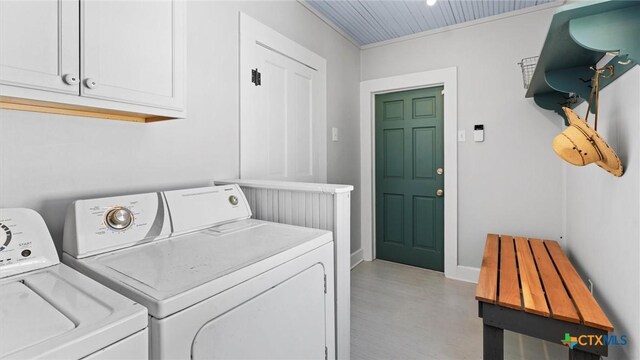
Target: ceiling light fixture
[[431, 2]]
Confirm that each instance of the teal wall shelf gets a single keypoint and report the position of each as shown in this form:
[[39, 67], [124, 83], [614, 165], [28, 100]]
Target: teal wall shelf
[[579, 36]]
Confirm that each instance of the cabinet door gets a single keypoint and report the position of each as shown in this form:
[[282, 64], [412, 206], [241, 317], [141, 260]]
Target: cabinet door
[[133, 52], [39, 44]]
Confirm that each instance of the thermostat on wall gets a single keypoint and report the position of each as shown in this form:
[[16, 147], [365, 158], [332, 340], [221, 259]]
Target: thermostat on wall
[[478, 133]]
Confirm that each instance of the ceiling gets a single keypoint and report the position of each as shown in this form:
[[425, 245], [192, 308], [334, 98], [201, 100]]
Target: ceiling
[[370, 21]]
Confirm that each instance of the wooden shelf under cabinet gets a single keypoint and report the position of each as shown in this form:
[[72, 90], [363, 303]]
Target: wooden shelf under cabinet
[[10, 103]]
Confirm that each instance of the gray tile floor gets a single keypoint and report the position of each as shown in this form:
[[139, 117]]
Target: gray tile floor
[[404, 312]]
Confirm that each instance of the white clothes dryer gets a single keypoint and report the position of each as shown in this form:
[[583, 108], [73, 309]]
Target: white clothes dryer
[[50, 311], [217, 284]]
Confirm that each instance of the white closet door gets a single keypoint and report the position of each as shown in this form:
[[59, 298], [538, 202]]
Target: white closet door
[[282, 129], [39, 45], [283, 124]]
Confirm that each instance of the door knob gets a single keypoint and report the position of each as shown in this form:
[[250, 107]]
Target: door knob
[[439, 171], [70, 79], [90, 83], [439, 193]]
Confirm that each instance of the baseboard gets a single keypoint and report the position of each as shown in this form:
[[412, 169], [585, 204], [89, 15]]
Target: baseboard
[[464, 273], [356, 258]]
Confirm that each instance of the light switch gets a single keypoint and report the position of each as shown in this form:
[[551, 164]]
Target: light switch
[[461, 136], [478, 133], [334, 134]]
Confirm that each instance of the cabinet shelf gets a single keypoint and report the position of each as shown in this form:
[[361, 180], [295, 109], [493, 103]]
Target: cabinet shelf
[[579, 36]]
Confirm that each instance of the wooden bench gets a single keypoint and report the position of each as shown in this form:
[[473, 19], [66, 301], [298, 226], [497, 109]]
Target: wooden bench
[[530, 287]]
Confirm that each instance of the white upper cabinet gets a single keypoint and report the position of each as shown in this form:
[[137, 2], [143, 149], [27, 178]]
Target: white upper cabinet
[[133, 51], [39, 45], [112, 59]]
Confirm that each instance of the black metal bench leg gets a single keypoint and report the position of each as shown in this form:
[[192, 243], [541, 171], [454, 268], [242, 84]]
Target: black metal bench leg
[[575, 354], [493, 343]]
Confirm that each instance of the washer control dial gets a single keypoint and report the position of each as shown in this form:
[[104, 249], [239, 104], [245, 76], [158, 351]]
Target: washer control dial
[[119, 218], [5, 236]]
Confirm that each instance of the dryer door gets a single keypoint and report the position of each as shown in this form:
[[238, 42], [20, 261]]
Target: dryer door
[[284, 322]]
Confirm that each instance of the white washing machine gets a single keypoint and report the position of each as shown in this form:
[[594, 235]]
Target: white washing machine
[[217, 284], [49, 311]]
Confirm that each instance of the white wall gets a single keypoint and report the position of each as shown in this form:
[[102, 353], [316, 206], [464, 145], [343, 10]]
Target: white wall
[[512, 182], [46, 161], [603, 214]]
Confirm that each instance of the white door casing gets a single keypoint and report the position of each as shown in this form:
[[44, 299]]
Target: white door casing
[[283, 121]]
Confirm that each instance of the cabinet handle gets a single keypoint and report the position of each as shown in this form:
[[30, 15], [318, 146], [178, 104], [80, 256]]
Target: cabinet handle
[[70, 79], [90, 83]]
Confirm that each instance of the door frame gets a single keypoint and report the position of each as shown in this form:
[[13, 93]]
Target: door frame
[[368, 89], [253, 33]]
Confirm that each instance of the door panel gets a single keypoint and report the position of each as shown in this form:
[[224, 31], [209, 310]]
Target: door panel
[[276, 110], [301, 121], [424, 107], [393, 110], [393, 149], [409, 150], [424, 211], [424, 151], [46, 48], [393, 213], [134, 50]]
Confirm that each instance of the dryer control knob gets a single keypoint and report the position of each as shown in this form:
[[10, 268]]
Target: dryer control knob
[[119, 218]]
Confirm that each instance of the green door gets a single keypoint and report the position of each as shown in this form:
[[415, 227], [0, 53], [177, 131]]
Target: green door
[[409, 152]]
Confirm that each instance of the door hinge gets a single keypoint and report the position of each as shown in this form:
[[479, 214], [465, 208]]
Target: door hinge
[[325, 283], [326, 353], [256, 77]]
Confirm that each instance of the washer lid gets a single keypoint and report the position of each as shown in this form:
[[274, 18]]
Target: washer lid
[[59, 313], [169, 275], [19, 308]]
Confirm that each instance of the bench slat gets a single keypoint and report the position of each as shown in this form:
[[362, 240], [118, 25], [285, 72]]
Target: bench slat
[[509, 294], [488, 279], [586, 304], [532, 293], [562, 307]]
